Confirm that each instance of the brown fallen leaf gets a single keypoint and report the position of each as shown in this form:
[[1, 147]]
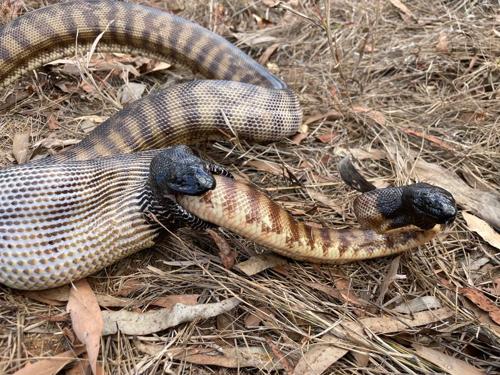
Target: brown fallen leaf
[[264, 58], [429, 137], [322, 355], [280, 356], [324, 200], [328, 290], [326, 137], [54, 296], [133, 323], [229, 357], [170, 301], [129, 286], [376, 116], [21, 147], [259, 263], [226, 253], [389, 324], [319, 357], [483, 302], [388, 279], [50, 366], [86, 319], [343, 285], [403, 8], [299, 137], [448, 364], [330, 115], [266, 166], [418, 304], [254, 318], [52, 122], [442, 44], [482, 228]]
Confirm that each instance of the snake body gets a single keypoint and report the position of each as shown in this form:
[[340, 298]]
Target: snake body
[[72, 214]]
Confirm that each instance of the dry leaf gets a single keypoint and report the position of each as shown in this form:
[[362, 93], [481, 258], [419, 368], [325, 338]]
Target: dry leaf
[[321, 356], [280, 356], [254, 318], [388, 279], [132, 323], [49, 366], [51, 141], [343, 285], [129, 286], [448, 364], [483, 302], [255, 39], [264, 58], [232, 358], [388, 324], [52, 122], [86, 319], [299, 137], [326, 137], [229, 357], [332, 292], [20, 147], [403, 8], [266, 166], [130, 92], [169, 302], [323, 199], [376, 116], [418, 304], [226, 253], [429, 137], [330, 115], [482, 228], [54, 296], [270, 3], [442, 44], [259, 263], [160, 65]]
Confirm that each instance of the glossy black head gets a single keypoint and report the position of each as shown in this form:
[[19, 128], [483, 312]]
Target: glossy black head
[[429, 204], [177, 170]]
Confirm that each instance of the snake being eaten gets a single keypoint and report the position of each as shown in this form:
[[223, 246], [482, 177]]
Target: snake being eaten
[[76, 212]]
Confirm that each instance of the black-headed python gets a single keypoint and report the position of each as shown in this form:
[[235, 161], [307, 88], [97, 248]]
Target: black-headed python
[[76, 212]]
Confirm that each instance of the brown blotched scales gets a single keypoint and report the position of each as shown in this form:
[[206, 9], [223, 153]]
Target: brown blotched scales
[[72, 214]]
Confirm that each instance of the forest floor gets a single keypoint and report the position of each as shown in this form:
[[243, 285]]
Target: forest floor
[[409, 90]]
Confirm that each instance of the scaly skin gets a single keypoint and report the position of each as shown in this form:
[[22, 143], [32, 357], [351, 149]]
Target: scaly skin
[[70, 215]]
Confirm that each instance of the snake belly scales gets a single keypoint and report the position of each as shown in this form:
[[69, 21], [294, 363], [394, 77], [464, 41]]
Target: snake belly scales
[[83, 209]]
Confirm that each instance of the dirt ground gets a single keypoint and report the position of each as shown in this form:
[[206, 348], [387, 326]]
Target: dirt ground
[[409, 89]]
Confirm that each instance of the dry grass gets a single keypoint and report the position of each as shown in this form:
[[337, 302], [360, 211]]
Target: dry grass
[[432, 78]]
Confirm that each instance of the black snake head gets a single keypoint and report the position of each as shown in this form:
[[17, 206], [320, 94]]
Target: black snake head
[[177, 170], [429, 205]]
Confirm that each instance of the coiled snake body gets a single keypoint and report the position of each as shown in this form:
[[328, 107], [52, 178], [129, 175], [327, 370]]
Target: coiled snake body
[[72, 214]]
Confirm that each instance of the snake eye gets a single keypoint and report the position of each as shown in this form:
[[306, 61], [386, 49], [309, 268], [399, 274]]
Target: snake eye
[[434, 203]]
